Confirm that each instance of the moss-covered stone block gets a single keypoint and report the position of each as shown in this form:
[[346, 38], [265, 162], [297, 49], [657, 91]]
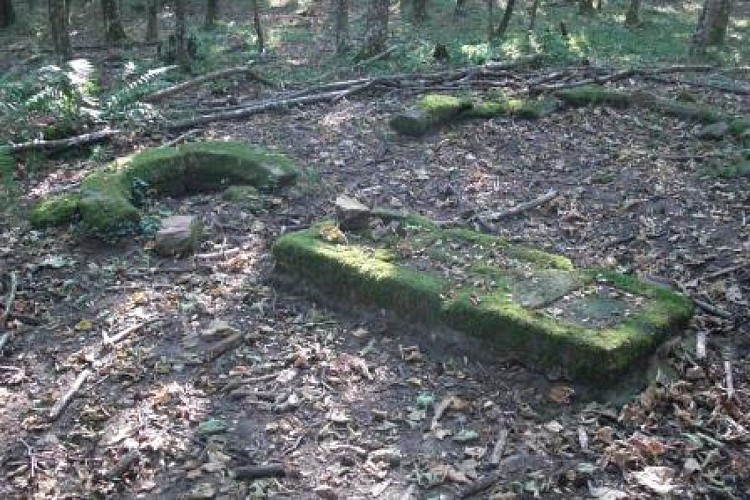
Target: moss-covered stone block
[[108, 198], [54, 211], [593, 95], [589, 324]]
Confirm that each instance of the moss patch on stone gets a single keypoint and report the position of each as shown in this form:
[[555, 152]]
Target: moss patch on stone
[[593, 95], [107, 200], [535, 306], [434, 110], [55, 211]]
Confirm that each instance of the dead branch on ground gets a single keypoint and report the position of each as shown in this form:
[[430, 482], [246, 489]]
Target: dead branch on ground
[[68, 396], [58, 144], [521, 207], [215, 75]]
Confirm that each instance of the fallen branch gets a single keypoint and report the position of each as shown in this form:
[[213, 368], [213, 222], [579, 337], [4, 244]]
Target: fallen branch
[[180, 138], [63, 402], [522, 207], [9, 300], [712, 309], [705, 85], [70, 142], [215, 75], [107, 340], [261, 471]]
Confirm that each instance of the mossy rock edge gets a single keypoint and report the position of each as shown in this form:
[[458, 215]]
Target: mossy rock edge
[[414, 276], [106, 204]]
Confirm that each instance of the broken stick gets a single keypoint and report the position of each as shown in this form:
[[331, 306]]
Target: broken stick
[[60, 406], [522, 207]]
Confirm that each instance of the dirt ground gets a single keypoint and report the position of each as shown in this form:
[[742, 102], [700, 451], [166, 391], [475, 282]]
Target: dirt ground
[[339, 401], [356, 404]]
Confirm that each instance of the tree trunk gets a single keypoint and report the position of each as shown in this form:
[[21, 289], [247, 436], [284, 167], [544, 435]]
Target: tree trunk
[[7, 14], [58, 23], [632, 17], [377, 29], [420, 11], [212, 13], [152, 23], [532, 14], [712, 25], [460, 9], [113, 31], [341, 13], [505, 21], [260, 41], [180, 34], [586, 7], [490, 19]]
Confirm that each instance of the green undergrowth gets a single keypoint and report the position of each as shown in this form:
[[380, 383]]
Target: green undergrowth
[[531, 305]]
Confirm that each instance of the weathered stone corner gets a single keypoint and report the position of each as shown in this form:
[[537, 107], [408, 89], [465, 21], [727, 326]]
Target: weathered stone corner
[[591, 325], [108, 199]]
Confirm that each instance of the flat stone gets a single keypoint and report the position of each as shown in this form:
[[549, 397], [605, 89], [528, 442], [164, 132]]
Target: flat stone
[[714, 131], [179, 235], [586, 324], [351, 213]]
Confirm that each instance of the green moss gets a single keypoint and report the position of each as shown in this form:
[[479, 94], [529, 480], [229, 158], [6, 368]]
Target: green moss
[[106, 204], [738, 126], [596, 95], [441, 108], [505, 303], [685, 110], [55, 211]]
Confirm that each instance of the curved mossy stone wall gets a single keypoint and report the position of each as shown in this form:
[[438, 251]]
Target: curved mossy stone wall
[[108, 199], [589, 324]]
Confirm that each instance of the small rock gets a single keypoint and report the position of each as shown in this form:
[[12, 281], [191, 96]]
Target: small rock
[[351, 214], [178, 235], [202, 491], [695, 373], [714, 131], [218, 329], [691, 466]]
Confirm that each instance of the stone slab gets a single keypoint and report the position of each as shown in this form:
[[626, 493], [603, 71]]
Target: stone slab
[[588, 324]]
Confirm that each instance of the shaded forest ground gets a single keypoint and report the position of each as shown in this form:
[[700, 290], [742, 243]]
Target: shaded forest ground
[[354, 403]]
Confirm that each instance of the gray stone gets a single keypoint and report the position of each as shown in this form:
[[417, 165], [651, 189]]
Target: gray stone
[[714, 131], [179, 235], [351, 213]]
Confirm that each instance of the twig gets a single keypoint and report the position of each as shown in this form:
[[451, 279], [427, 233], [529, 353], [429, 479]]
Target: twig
[[722, 272], [376, 57], [499, 448], [700, 344], [215, 75], [8, 305], [217, 255], [729, 379], [63, 402], [712, 309], [180, 138], [522, 207], [79, 140], [127, 331], [712, 86]]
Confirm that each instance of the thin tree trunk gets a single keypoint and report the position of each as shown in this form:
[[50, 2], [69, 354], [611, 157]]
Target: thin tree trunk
[[420, 11], [152, 23], [212, 13], [532, 14], [341, 13], [377, 29], [260, 41], [113, 30], [586, 7], [490, 19], [712, 25], [505, 21], [632, 17], [7, 14], [180, 34], [58, 22], [460, 9]]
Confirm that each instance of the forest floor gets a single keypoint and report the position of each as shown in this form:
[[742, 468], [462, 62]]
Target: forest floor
[[345, 402]]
